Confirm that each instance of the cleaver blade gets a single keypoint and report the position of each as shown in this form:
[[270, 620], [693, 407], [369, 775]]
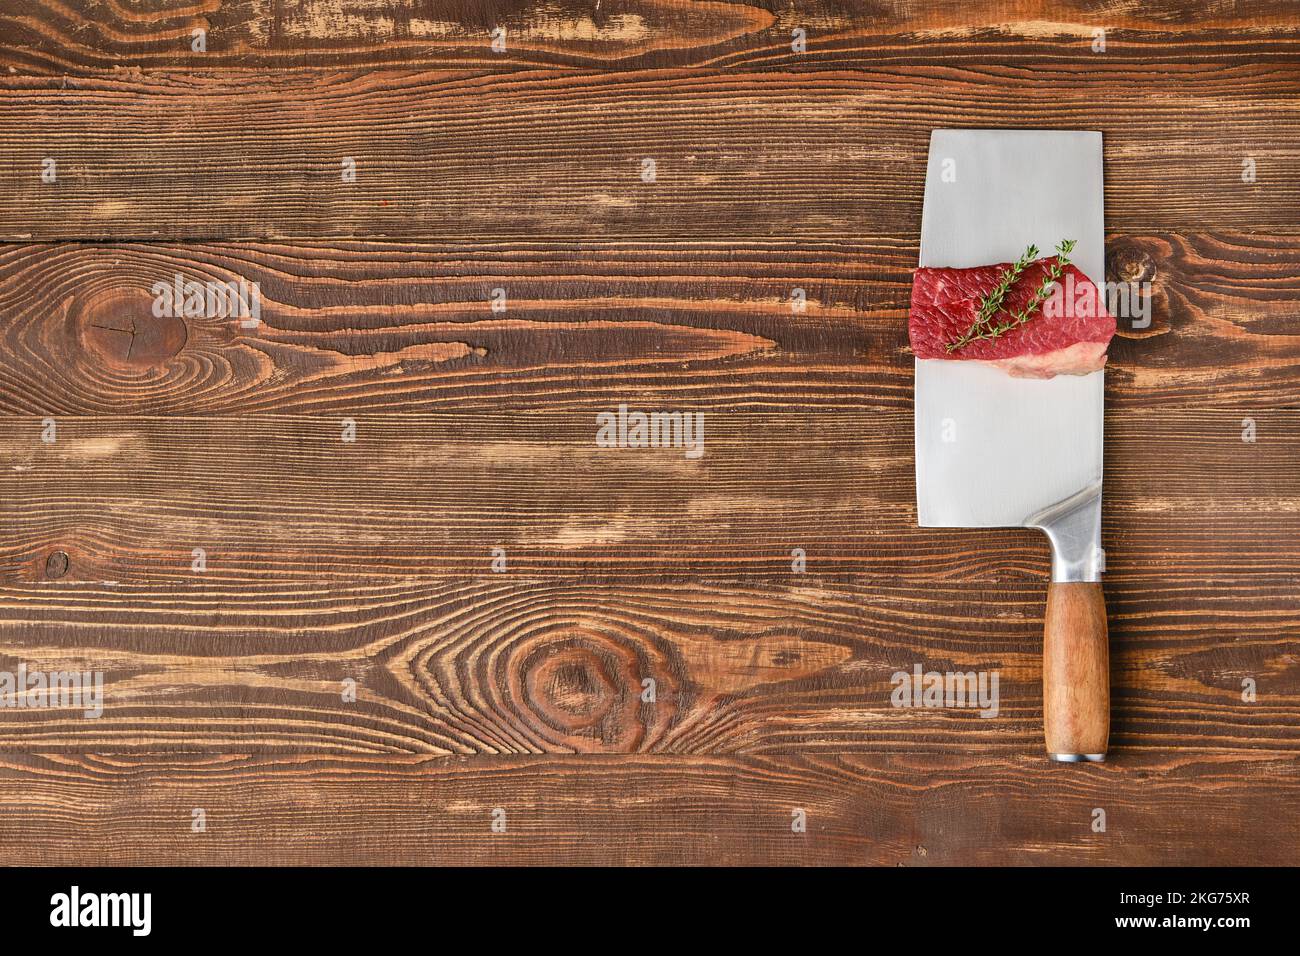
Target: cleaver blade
[[997, 451]]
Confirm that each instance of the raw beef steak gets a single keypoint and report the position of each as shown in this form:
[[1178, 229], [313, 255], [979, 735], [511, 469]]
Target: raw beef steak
[[1068, 335]]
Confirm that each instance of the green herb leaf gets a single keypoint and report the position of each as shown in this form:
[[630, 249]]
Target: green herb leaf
[[984, 327]]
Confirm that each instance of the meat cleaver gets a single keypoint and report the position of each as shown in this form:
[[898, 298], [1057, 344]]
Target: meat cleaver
[[995, 451]]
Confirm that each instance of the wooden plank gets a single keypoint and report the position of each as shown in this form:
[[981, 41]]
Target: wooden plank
[[329, 561], [129, 499], [505, 665], [1174, 809], [351, 327], [76, 36], [737, 155]]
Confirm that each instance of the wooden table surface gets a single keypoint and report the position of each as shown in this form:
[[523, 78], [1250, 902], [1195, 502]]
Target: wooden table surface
[[485, 695]]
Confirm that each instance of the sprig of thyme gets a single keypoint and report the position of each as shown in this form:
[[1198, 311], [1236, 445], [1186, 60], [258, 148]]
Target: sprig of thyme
[[982, 327], [993, 301]]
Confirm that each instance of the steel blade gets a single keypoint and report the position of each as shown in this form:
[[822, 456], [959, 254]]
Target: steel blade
[[992, 450]]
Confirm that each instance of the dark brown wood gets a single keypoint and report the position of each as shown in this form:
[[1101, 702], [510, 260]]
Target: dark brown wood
[[349, 327], [74, 36], [1076, 672], [328, 561], [1176, 808], [431, 495], [504, 664], [757, 155]]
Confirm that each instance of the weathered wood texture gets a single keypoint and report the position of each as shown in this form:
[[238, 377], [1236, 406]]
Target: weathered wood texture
[[370, 561], [1177, 809], [507, 665], [74, 36], [771, 154], [129, 499], [349, 327]]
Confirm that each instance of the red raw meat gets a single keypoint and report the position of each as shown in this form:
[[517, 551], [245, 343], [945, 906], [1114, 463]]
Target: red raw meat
[[1068, 335]]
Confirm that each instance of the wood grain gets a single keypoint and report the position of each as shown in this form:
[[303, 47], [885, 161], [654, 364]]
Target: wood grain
[[1076, 671], [349, 327], [128, 499], [1175, 809], [738, 155], [76, 36], [370, 561], [501, 665]]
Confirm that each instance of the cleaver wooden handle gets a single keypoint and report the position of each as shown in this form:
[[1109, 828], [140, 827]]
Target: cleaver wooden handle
[[1076, 672]]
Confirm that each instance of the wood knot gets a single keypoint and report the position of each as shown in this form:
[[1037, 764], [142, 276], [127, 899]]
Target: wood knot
[[118, 328], [588, 689], [574, 687], [56, 565], [1141, 309], [1128, 262]]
